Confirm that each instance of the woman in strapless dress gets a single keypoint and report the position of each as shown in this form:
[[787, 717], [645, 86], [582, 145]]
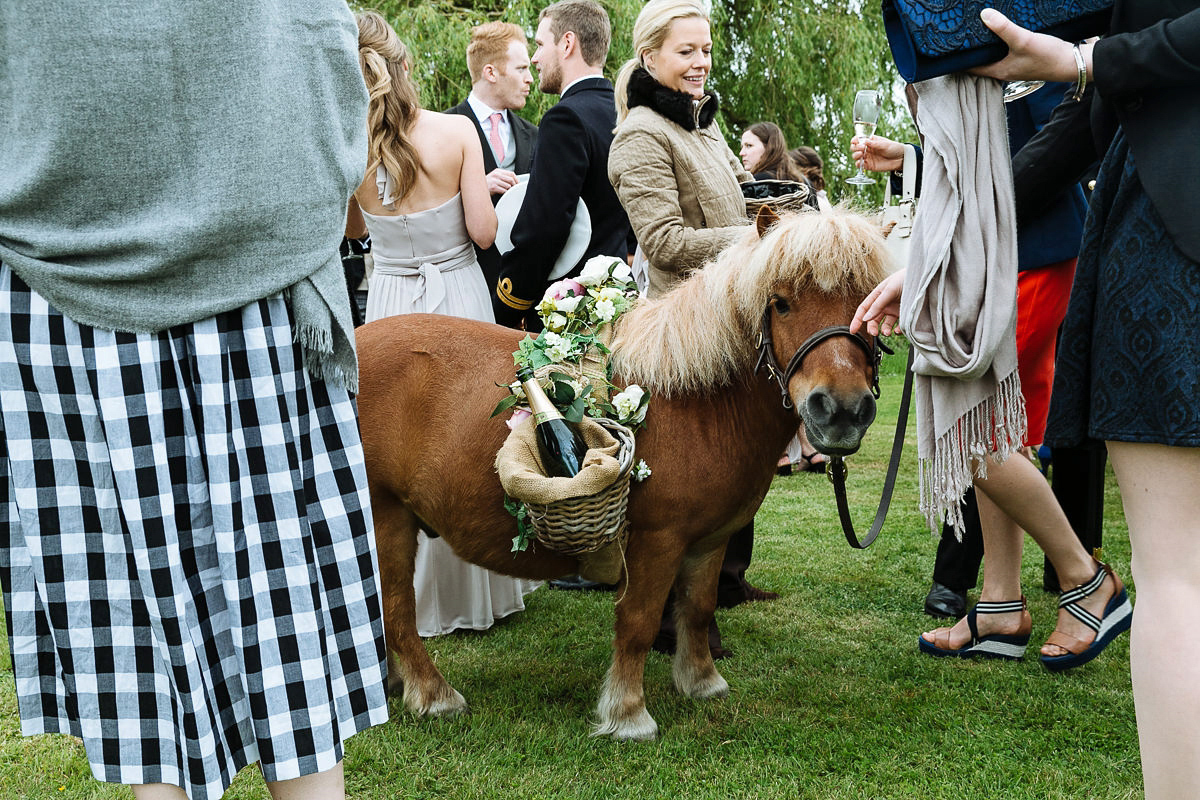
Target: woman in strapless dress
[[425, 201]]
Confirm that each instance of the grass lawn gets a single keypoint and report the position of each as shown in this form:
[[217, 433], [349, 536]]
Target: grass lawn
[[829, 696]]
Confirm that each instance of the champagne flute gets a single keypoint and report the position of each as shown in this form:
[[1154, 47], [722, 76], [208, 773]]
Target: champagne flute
[[867, 105], [1014, 90]]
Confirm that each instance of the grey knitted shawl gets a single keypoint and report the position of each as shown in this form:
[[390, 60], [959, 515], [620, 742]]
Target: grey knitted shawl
[[959, 302]]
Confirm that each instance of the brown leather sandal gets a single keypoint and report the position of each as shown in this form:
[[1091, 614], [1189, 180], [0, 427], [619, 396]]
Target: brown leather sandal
[[1117, 617], [1009, 646]]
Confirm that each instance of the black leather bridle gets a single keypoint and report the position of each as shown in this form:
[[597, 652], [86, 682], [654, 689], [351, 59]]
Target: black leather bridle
[[766, 353], [835, 466]]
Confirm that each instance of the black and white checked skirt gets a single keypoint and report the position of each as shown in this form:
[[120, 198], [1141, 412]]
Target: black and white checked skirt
[[185, 546]]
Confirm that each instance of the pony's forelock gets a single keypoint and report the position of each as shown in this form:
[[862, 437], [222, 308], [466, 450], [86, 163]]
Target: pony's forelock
[[698, 336]]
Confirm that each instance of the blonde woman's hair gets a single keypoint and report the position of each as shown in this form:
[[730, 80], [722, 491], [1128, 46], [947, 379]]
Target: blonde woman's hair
[[489, 45], [649, 32], [393, 103]]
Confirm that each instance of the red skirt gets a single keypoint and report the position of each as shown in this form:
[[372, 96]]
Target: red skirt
[[1042, 296]]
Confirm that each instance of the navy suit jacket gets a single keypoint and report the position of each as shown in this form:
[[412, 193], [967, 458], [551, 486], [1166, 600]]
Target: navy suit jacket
[[571, 162], [525, 136]]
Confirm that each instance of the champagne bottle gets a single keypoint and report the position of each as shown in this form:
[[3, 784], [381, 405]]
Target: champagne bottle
[[561, 446]]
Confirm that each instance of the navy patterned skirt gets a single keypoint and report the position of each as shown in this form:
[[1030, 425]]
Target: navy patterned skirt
[[1128, 366], [186, 547]]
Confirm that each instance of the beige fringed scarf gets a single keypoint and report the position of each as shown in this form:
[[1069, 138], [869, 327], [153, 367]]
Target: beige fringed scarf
[[959, 302]]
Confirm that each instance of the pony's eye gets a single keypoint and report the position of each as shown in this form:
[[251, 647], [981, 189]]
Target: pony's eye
[[781, 305]]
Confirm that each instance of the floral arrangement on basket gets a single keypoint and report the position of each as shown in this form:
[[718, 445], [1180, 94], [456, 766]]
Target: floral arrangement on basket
[[570, 360]]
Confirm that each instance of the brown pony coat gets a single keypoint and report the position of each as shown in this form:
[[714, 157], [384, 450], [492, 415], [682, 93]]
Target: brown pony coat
[[713, 434]]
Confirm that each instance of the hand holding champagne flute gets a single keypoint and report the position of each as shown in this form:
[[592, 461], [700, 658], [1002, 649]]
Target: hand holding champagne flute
[[867, 105]]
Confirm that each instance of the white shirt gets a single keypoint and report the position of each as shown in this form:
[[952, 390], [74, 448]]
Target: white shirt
[[566, 88], [483, 113]]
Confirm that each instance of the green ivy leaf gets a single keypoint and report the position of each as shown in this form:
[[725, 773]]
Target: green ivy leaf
[[505, 404], [561, 393], [574, 412]]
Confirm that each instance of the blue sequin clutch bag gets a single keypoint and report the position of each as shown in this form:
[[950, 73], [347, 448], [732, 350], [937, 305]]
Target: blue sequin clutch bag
[[936, 37]]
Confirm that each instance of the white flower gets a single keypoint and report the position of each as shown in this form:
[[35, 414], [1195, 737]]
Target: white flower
[[558, 347], [611, 294], [596, 270], [575, 385], [604, 310], [622, 272], [641, 470], [555, 322], [547, 307], [516, 388], [567, 305], [628, 402]]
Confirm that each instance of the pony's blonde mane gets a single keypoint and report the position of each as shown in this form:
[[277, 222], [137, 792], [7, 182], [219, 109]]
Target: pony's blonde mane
[[699, 336]]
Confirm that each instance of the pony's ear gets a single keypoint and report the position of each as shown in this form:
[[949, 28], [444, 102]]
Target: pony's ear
[[764, 219]]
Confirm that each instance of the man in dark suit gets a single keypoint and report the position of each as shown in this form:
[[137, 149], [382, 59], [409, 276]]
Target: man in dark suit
[[571, 162], [498, 60]]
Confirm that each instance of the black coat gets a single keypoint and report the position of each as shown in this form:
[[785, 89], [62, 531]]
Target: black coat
[[571, 162], [1147, 79], [525, 136]]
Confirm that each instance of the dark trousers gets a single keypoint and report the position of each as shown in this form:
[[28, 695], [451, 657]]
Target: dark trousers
[[731, 585], [1077, 479], [1077, 476]]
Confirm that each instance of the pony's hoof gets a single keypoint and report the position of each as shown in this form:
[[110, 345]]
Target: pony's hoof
[[444, 704], [712, 685], [640, 728]]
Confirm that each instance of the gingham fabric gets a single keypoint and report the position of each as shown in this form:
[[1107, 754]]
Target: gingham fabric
[[185, 546]]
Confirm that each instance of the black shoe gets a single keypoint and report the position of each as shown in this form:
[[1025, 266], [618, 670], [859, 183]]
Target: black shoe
[[577, 583], [944, 602]]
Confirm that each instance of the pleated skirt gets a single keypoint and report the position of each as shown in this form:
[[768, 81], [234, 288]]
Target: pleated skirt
[[185, 546]]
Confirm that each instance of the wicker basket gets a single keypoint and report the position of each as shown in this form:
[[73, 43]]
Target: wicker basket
[[585, 524], [777, 195]]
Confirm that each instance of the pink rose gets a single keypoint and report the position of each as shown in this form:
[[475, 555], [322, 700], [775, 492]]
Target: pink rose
[[561, 288], [518, 416]]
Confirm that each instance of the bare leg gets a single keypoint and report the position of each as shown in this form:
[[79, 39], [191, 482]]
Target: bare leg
[[1162, 507], [1017, 488], [1002, 545], [1016, 497], [327, 785]]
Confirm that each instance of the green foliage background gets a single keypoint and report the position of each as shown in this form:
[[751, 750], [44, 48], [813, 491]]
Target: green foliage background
[[797, 63]]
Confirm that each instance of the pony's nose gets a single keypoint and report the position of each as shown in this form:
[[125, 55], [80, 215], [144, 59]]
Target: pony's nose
[[825, 410]]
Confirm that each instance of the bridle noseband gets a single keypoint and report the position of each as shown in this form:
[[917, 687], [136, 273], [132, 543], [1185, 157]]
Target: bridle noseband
[[766, 353], [836, 465]]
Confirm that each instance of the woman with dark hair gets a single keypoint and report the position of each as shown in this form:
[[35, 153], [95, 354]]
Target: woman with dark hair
[[764, 152], [809, 164]]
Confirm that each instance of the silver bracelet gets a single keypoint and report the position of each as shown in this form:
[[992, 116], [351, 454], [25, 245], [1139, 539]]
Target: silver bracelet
[[1081, 80]]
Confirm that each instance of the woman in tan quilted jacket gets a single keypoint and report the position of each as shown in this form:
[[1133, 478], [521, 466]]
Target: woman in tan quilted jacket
[[675, 174], [679, 182]]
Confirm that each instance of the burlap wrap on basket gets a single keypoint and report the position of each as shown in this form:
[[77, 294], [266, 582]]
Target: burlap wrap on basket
[[592, 368], [582, 516]]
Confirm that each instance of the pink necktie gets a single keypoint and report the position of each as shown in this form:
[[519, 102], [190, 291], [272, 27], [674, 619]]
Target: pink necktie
[[497, 142]]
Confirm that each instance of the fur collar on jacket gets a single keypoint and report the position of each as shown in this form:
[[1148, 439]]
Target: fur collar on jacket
[[644, 90]]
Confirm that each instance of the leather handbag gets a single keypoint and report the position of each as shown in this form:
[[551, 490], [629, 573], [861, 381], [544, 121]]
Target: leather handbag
[[930, 38], [897, 219]]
